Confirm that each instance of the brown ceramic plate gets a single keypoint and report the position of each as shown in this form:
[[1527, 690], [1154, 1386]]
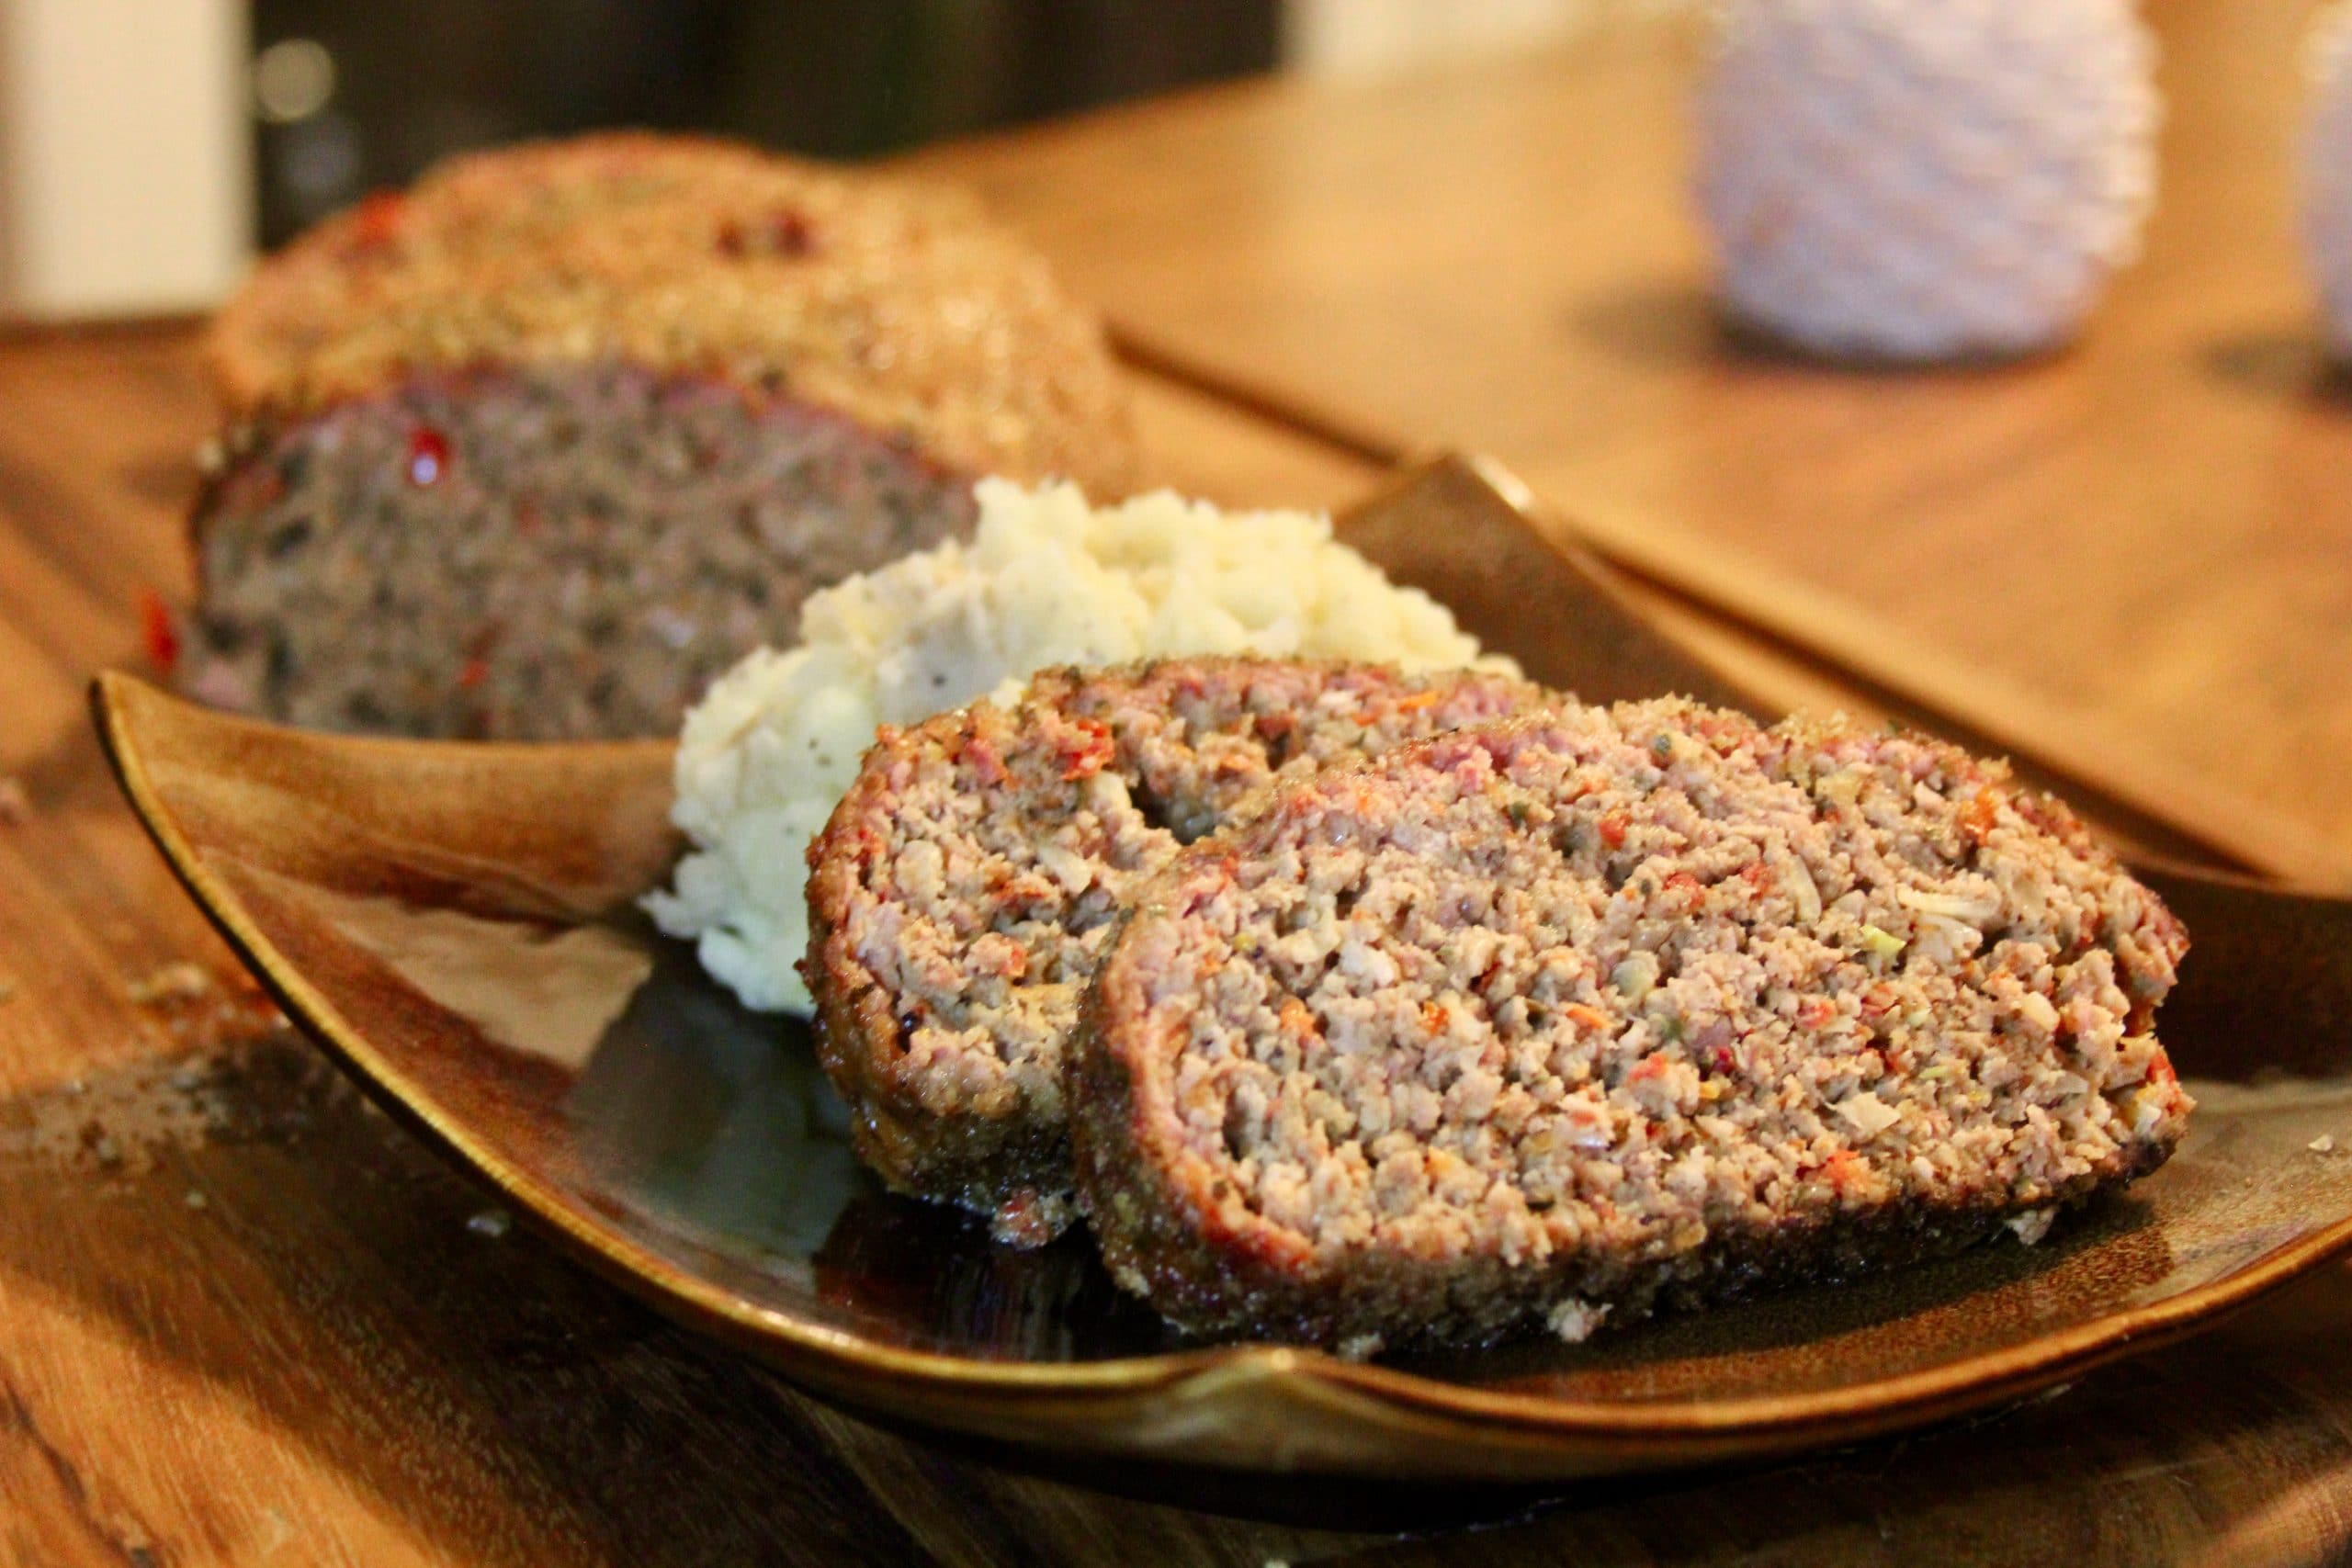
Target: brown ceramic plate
[[456, 925]]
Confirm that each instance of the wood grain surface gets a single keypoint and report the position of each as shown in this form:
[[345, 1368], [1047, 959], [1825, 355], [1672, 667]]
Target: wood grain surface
[[2135, 557], [242, 1319]]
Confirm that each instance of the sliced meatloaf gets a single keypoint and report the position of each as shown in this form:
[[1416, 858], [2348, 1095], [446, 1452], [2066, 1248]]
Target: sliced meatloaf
[[964, 888], [540, 446], [1543, 1022]]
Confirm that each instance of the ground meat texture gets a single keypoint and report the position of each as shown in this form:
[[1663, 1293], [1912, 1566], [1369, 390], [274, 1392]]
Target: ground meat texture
[[1540, 1024], [566, 551], [896, 304], [537, 447], [964, 889]]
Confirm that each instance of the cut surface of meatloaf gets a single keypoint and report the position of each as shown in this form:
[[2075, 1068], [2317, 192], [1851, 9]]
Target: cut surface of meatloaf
[[1544, 1023], [537, 554], [969, 879], [534, 448]]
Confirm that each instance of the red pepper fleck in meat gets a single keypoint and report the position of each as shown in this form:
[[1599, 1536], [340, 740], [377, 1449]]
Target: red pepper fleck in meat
[[158, 633], [782, 233], [375, 221], [1089, 755], [1977, 817], [428, 455]]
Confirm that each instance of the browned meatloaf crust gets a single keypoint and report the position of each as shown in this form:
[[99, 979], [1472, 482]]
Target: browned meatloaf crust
[[965, 886], [1544, 1023], [538, 448]]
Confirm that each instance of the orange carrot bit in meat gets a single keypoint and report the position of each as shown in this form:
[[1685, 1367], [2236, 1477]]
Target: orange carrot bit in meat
[[1089, 755], [1976, 819], [1416, 702], [1816, 1011], [1586, 1017], [1843, 1170], [1297, 1021], [1613, 828]]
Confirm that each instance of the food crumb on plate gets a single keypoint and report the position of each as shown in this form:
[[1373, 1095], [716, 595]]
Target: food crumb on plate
[[2323, 1143], [177, 981], [491, 1223], [2032, 1226], [1575, 1318]]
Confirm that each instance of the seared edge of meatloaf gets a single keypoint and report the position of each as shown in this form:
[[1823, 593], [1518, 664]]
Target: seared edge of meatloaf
[[966, 885], [559, 552], [1548, 1022], [895, 304]]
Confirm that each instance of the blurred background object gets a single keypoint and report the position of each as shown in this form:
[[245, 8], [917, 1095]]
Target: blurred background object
[[1347, 37], [1928, 182], [146, 149], [125, 180], [353, 97], [2328, 175]]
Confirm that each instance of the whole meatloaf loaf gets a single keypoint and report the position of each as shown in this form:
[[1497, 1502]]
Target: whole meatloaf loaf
[[968, 881], [1550, 1022], [542, 445]]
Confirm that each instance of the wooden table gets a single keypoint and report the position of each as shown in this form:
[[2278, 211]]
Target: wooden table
[[2134, 559], [243, 1319]]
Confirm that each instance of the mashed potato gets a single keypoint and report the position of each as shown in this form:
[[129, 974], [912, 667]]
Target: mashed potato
[[1045, 580]]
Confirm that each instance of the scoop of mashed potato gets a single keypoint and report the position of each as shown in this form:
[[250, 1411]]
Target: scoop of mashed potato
[[1046, 581]]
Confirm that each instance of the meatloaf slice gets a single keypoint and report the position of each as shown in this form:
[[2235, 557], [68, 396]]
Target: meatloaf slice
[[964, 888], [1547, 1021], [536, 448]]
